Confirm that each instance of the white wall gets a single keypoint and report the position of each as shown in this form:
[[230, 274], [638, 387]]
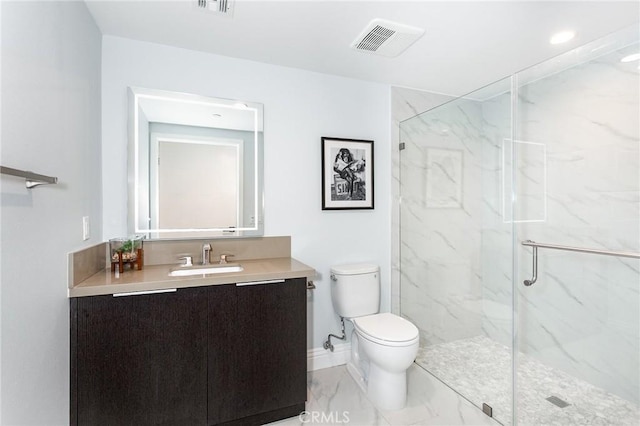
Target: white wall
[[300, 108], [51, 125]]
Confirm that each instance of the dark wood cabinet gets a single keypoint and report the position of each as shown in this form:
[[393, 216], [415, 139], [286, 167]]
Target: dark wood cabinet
[[222, 354], [141, 360], [267, 350]]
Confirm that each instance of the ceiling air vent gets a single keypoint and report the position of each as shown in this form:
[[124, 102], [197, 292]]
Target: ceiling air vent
[[221, 7], [386, 38]]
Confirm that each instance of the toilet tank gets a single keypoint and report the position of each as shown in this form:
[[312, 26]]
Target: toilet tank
[[355, 289]]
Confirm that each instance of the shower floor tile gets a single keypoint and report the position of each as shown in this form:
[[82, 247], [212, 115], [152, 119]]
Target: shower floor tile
[[480, 369]]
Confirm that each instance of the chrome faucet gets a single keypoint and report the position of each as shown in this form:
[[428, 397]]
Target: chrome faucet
[[206, 249]]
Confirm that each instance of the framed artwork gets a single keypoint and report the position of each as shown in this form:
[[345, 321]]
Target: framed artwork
[[347, 174]]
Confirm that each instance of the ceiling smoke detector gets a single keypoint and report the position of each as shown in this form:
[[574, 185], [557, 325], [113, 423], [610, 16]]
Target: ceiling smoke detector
[[386, 38], [221, 7]]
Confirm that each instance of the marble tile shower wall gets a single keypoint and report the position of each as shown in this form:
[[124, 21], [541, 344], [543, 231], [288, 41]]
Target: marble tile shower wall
[[405, 104], [496, 248], [441, 170]]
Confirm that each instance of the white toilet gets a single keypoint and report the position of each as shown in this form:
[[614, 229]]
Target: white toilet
[[383, 345]]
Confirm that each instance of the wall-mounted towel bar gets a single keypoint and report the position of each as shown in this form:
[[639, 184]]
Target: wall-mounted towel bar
[[31, 179], [535, 247]]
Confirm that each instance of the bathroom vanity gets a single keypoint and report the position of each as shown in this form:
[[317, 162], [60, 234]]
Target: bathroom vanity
[[158, 347], [227, 348]]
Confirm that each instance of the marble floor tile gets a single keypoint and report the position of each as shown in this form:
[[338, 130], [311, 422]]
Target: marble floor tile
[[476, 365], [339, 397], [334, 398], [443, 405]]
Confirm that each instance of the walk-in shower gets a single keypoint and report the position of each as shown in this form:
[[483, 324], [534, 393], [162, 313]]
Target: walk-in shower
[[544, 162]]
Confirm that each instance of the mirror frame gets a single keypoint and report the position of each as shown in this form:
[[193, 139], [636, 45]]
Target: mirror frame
[[135, 198]]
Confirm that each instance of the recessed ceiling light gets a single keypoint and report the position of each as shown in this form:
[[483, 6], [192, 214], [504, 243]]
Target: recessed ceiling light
[[562, 37], [631, 58]]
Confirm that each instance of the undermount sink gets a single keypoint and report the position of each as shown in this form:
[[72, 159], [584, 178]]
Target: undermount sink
[[203, 270]]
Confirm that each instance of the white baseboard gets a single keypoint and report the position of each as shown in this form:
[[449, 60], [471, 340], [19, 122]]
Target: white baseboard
[[319, 358]]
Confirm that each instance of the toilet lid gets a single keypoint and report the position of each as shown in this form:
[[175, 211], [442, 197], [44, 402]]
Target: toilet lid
[[354, 269], [386, 326]]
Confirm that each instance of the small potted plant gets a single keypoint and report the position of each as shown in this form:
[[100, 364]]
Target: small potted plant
[[126, 251]]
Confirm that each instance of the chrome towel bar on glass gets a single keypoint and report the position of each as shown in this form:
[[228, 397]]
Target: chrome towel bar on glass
[[535, 247]]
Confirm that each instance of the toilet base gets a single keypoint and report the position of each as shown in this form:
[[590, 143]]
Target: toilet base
[[386, 390], [358, 364]]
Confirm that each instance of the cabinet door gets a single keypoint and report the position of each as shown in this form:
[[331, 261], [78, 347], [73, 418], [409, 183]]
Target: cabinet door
[[223, 353], [271, 362], [141, 360]]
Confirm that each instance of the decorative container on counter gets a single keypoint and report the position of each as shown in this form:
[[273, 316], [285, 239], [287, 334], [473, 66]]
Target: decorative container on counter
[[126, 251]]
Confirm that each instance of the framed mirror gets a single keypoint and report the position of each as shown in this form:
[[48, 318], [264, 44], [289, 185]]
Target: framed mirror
[[195, 166]]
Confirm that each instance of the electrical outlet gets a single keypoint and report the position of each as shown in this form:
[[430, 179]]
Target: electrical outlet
[[86, 229]]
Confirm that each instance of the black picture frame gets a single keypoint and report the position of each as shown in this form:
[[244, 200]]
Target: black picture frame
[[347, 174]]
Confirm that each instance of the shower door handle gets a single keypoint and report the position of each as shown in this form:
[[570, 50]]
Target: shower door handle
[[534, 278]]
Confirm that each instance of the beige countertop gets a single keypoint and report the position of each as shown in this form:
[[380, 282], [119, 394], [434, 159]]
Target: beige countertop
[[157, 277]]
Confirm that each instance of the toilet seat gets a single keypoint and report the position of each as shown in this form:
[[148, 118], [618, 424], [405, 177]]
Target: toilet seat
[[386, 329]]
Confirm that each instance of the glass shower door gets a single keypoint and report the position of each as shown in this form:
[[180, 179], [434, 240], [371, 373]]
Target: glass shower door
[[456, 248], [578, 174]]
